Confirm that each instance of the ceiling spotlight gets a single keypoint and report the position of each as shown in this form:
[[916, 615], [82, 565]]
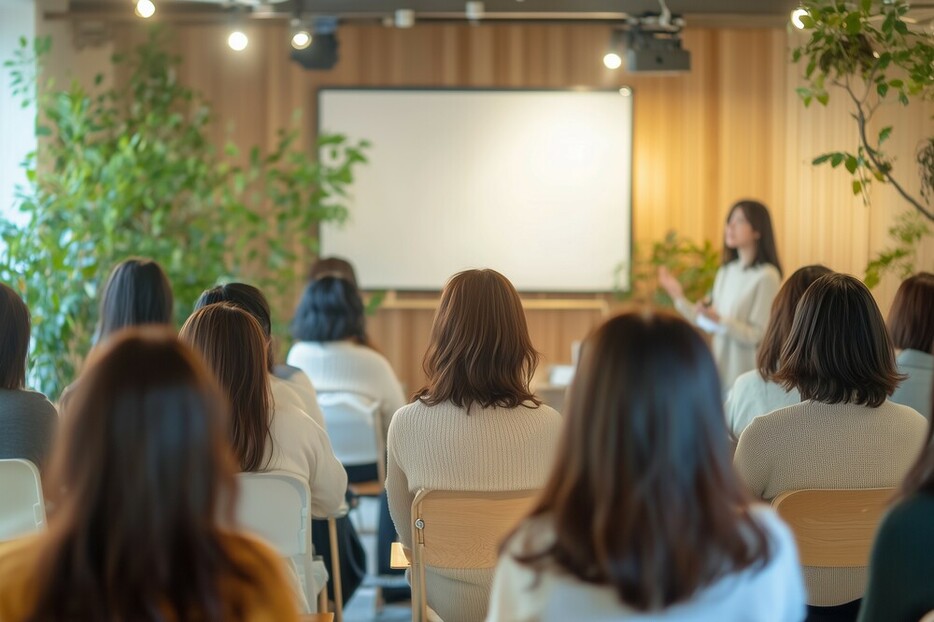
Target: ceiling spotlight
[[612, 61], [625, 91], [238, 41], [405, 18], [301, 39], [796, 16], [145, 8], [322, 49]]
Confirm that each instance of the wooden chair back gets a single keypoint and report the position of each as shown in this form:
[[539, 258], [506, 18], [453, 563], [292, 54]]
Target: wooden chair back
[[460, 530], [834, 528]]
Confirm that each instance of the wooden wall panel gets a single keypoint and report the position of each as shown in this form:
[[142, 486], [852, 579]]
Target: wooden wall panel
[[732, 127]]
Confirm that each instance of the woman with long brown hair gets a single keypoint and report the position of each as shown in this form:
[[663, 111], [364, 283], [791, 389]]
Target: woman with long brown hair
[[642, 516], [142, 489], [475, 425], [265, 435], [901, 571]]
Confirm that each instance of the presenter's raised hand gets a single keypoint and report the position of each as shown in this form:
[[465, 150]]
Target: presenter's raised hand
[[670, 284]]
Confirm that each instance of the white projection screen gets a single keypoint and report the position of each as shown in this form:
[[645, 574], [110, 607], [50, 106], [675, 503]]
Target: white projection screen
[[533, 183]]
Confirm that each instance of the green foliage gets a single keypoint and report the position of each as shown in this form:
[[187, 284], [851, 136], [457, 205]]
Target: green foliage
[[694, 265], [909, 229], [869, 50], [130, 170]]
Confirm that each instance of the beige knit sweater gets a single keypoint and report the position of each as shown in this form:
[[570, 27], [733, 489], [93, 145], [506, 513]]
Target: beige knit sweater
[[816, 445], [443, 448]]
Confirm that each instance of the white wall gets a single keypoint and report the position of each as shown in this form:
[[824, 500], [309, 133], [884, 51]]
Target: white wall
[[17, 19]]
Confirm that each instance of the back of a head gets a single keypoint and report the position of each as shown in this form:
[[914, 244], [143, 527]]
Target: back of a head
[[910, 319], [137, 480], [782, 317], [233, 345], [137, 292], [330, 310], [643, 496], [838, 349], [248, 298], [480, 351], [334, 266], [14, 339]]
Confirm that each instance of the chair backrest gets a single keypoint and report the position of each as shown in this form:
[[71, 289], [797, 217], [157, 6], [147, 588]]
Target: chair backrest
[[453, 529], [834, 528], [22, 508], [276, 506], [354, 427]]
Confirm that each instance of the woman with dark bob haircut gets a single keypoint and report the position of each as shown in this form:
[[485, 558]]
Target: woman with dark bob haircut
[[845, 433], [27, 419], [911, 324], [142, 491], [755, 393], [330, 332], [643, 515], [475, 425], [137, 292], [901, 571]]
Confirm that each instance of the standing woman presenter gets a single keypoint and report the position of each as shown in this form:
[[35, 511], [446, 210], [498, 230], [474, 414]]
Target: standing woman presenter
[[737, 310]]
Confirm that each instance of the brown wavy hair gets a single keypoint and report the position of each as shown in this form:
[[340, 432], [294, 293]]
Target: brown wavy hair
[[234, 347], [838, 350], [910, 318], [480, 351], [139, 483], [643, 497], [782, 316]]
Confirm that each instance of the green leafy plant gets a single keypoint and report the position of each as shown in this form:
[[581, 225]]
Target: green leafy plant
[[908, 230], [130, 170], [869, 50], [695, 266]]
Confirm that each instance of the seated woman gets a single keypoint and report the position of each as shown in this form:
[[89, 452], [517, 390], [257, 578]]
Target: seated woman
[[27, 419], [755, 393], [475, 425], [329, 331], [901, 572], [643, 516], [291, 385], [911, 324], [845, 434], [142, 490], [264, 439], [137, 293]]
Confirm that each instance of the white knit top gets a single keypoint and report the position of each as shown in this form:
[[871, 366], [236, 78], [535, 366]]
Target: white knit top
[[444, 448], [301, 446], [343, 366], [816, 445], [774, 593], [743, 299], [299, 394], [752, 396]]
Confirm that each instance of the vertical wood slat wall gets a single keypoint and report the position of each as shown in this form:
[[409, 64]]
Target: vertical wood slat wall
[[731, 128]]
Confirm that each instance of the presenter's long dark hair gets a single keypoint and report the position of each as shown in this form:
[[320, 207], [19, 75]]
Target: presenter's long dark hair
[[643, 497], [138, 485], [758, 216]]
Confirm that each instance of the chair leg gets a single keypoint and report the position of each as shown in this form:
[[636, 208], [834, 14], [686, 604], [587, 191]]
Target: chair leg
[[323, 600], [336, 572]]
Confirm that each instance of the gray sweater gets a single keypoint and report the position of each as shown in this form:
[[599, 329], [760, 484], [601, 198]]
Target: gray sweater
[[27, 424]]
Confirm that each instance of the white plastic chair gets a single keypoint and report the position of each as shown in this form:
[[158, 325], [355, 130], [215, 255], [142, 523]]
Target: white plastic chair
[[22, 508], [352, 421], [276, 506]]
